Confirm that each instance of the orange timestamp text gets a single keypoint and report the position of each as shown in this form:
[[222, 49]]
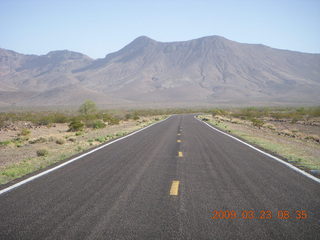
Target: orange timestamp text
[[260, 214]]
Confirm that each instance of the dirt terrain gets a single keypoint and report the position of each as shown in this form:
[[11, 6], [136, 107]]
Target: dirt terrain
[[19, 154]]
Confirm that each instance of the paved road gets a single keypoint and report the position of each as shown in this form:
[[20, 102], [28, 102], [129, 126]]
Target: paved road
[[123, 192]]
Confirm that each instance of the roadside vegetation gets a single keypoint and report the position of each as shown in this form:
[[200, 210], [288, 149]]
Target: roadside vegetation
[[30, 141], [292, 133]]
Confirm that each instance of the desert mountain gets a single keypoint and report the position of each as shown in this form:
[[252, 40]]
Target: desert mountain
[[208, 70]]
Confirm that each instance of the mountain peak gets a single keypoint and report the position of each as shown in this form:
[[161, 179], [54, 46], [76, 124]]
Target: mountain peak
[[66, 54], [139, 43], [144, 39]]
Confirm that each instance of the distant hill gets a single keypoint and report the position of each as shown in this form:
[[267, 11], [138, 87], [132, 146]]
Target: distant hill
[[204, 71]]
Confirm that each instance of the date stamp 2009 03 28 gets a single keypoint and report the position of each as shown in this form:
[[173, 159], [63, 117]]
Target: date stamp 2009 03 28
[[261, 214]]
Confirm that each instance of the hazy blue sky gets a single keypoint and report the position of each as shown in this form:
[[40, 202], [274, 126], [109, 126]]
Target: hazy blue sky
[[100, 27]]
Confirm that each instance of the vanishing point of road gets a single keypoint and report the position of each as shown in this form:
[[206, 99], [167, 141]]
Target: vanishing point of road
[[178, 179]]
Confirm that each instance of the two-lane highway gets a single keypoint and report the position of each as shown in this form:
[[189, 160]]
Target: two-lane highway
[[165, 182]]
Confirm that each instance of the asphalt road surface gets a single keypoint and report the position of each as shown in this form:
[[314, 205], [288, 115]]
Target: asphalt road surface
[[152, 186]]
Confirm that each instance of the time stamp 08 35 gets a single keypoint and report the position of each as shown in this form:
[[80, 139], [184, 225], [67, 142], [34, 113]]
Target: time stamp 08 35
[[261, 214]]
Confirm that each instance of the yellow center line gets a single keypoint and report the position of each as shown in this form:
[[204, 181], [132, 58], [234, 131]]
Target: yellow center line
[[178, 140], [174, 188], [180, 154]]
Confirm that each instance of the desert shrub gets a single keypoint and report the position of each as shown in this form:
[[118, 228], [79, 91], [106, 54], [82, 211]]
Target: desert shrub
[[2, 123], [257, 122], [313, 138], [5, 143], [25, 132], [136, 117], [270, 126], [72, 140], [38, 140], [95, 124], [220, 112], [294, 120], [60, 141], [106, 117], [19, 140], [75, 126], [79, 149], [52, 139], [43, 121], [59, 118], [205, 119], [315, 112], [114, 121], [42, 152], [101, 139], [235, 121], [128, 116], [90, 117], [287, 133], [111, 120]]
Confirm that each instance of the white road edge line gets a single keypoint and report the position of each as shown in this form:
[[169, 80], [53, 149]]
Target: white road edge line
[[72, 160], [267, 154]]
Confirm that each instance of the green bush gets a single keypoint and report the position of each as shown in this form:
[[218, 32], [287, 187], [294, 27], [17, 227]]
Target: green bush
[[101, 139], [106, 117], [42, 152], [59, 118], [257, 122], [75, 126], [113, 121], [5, 143], [25, 132], [95, 124], [88, 107]]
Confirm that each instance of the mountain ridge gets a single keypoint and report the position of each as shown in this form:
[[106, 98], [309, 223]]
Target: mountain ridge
[[207, 70]]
